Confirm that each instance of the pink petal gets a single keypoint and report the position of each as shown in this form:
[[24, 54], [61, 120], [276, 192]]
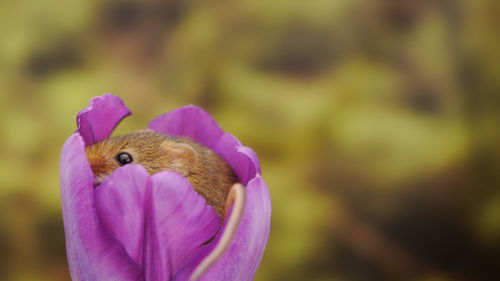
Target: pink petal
[[193, 122], [120, 203], [242, 159], [189, 121], [92, 254], [180, 222], [98, 120], [240, 261]]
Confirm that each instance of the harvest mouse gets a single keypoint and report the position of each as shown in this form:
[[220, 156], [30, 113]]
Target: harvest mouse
[[209, 174]]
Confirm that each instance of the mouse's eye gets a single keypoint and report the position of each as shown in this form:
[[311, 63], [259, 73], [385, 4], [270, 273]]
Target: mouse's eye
[[123, 158]]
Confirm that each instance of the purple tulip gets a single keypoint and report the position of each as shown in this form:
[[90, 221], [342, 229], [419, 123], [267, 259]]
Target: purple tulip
[[140, 227]]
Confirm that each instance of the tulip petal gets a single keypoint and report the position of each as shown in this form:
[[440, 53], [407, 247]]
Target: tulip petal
[[242, 159], [92, 254], [179, 223], [193, 122], [189, 121], [241, 259], [236, 206], [97, 121], [120, 201]]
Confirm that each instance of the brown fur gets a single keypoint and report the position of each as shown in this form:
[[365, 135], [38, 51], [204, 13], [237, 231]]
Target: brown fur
[[209, 174]]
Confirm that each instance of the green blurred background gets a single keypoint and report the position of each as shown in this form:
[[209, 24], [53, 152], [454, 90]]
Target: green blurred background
[[376, 122]]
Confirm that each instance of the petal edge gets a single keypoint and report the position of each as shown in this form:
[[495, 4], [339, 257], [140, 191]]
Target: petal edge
[[97, 121]]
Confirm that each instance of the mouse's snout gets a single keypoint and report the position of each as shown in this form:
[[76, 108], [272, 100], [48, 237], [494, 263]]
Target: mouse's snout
[[100, 169]]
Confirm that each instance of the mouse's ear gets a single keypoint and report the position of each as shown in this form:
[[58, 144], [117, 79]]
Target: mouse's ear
[[183, 155]]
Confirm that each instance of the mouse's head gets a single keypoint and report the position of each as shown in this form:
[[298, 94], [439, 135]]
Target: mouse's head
[[154, 151]]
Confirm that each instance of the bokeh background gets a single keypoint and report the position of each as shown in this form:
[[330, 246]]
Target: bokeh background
[[376, 121]]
